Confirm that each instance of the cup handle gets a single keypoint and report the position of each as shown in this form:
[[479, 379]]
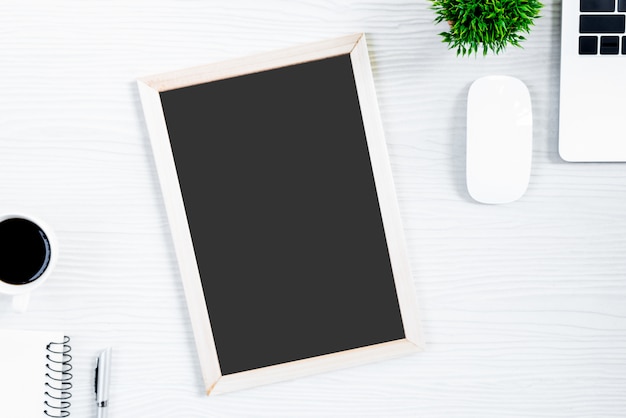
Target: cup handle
[[20, 302]]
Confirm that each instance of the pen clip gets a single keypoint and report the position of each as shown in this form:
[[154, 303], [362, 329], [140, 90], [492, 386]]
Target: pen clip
[[95, 379]]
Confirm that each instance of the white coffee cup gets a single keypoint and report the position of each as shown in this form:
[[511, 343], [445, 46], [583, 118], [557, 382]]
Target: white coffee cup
[[28, 253]]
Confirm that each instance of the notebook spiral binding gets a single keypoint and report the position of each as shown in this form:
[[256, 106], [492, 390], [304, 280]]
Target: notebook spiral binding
[[58, 378]]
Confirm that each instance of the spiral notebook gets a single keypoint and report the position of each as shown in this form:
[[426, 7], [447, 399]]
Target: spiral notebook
[[34, 374]]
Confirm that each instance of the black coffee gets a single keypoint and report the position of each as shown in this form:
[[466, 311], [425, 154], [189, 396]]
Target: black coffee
[[24, 251]]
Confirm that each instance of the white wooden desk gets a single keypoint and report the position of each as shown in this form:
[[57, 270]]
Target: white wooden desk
[[523, 304]]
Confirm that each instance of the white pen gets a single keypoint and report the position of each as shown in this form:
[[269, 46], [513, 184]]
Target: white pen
[[103, 376]]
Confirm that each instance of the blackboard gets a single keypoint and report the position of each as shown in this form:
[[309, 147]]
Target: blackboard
[[295, 259]]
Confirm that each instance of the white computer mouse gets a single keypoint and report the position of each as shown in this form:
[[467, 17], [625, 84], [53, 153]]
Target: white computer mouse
[[499, 139]]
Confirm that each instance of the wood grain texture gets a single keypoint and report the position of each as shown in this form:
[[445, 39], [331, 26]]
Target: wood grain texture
[[523, 304]]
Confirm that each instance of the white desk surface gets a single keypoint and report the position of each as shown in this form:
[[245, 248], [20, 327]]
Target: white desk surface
[[524, 304]]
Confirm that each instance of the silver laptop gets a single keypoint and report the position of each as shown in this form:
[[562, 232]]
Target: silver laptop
[[592, 120]]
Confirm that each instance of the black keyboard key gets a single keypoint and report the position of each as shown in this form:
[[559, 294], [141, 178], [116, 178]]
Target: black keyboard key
[[621, 6], [602, 23], [597, 5], [623, 45], [588, 45], [609, 45]]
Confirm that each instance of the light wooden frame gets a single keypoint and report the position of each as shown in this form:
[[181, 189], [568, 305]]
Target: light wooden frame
[[150, 89]]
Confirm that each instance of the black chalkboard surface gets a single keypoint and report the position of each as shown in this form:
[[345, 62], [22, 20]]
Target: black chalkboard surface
[[299, 262]]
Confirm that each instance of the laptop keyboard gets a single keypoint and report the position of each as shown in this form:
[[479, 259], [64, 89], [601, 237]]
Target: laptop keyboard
[[602, 27]]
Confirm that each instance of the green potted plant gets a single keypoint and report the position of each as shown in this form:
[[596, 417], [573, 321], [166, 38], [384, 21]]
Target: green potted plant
[[490, 25]]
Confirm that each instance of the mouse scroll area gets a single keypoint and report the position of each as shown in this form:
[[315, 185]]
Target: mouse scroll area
[[499, 139]]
